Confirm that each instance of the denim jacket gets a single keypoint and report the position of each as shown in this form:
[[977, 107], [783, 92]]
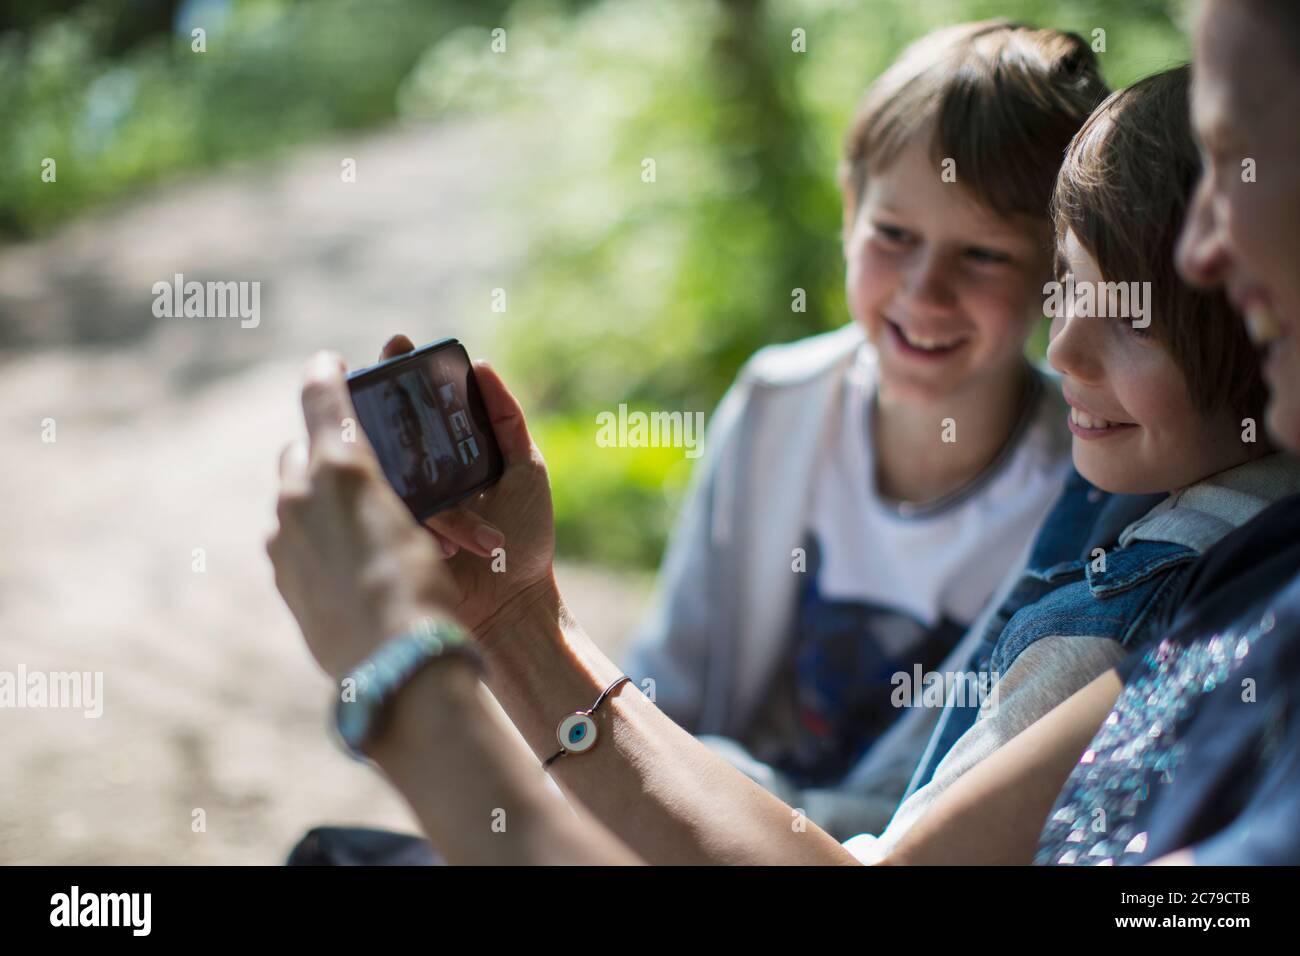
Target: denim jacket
[[1118, 594], [1069, 587]]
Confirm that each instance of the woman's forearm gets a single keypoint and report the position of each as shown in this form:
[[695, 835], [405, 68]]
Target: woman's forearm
[[994, 813], [478, 793], [653, 784]]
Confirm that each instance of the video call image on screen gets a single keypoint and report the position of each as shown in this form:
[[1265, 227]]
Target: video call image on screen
[[419, 422]]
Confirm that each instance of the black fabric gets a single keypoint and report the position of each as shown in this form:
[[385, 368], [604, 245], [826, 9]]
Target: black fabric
[[360, 846], [1118, 513]]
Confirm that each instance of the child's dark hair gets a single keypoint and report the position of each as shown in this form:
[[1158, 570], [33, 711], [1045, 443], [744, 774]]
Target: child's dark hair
[[1001, 99], [1123, 191]]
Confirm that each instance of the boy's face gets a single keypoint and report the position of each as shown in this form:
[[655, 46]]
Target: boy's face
[[1136, 429], [1243, 230], [945, 289]]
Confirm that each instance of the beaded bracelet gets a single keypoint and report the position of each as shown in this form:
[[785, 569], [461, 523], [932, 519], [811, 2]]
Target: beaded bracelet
[[577, 732]]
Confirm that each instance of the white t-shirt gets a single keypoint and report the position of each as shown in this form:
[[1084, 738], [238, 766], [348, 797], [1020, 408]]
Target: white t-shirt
[[946, 559], [889, 586]]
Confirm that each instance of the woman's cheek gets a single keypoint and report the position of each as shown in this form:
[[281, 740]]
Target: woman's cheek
[[1261, 230]]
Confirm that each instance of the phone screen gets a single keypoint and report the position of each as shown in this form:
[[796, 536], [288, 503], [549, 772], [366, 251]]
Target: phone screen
[[425, 418]]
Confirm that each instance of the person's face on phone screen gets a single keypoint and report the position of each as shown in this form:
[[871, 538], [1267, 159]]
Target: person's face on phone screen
[[428, 429], [404, 428]]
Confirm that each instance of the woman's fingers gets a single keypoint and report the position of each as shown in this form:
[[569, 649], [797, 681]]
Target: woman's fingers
[[465, 529], [327, 407], [293, 468], [398, 345], [449, 549], [506, 415]]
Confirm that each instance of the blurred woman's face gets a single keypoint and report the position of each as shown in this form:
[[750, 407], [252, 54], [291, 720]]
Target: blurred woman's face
[[1243, 230], [945, 289]]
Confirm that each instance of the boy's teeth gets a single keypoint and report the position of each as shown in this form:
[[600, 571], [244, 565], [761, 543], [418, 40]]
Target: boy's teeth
[[922, 342], [1261, 324], [1084, 420]]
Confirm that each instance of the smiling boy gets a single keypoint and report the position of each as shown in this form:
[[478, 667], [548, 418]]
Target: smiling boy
[[864, 492]]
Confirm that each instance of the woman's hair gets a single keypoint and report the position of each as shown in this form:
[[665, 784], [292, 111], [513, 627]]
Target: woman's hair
[[1001, 99], [1123, 191]]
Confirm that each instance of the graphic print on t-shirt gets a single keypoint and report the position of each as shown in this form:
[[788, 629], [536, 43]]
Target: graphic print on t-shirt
[[845, 656]]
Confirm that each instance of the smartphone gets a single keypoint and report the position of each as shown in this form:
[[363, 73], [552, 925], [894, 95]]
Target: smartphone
[[424, 415]]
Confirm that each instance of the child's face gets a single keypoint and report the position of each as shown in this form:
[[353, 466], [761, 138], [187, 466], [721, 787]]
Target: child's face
[[945, 289], [1136, 430], [1243, 230]]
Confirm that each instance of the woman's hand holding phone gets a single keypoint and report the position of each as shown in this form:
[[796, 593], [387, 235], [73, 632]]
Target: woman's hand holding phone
[[352, 565], [500, 544]]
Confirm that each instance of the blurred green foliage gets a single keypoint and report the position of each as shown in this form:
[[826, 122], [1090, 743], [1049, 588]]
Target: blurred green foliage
[[651, 293], [611, 504], [121, 109]]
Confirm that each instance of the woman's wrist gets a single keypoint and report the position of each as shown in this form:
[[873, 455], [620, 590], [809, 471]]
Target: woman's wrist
[[453, 760], [426, 710], [541, 666], [527, 610]]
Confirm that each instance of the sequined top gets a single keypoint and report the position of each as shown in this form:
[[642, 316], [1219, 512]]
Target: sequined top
[[1105, 813]]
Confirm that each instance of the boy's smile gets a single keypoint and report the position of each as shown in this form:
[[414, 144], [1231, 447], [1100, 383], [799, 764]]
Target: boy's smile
[[920, 346], [1089, 425]]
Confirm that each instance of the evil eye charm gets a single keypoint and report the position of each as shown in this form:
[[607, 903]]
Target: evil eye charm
[[577, 733]]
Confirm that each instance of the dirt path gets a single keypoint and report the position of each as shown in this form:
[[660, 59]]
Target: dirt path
[[167, 432]]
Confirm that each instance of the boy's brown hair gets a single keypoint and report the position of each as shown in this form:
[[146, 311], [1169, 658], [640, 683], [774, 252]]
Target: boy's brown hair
[[1123, 191], [1001, 99]]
